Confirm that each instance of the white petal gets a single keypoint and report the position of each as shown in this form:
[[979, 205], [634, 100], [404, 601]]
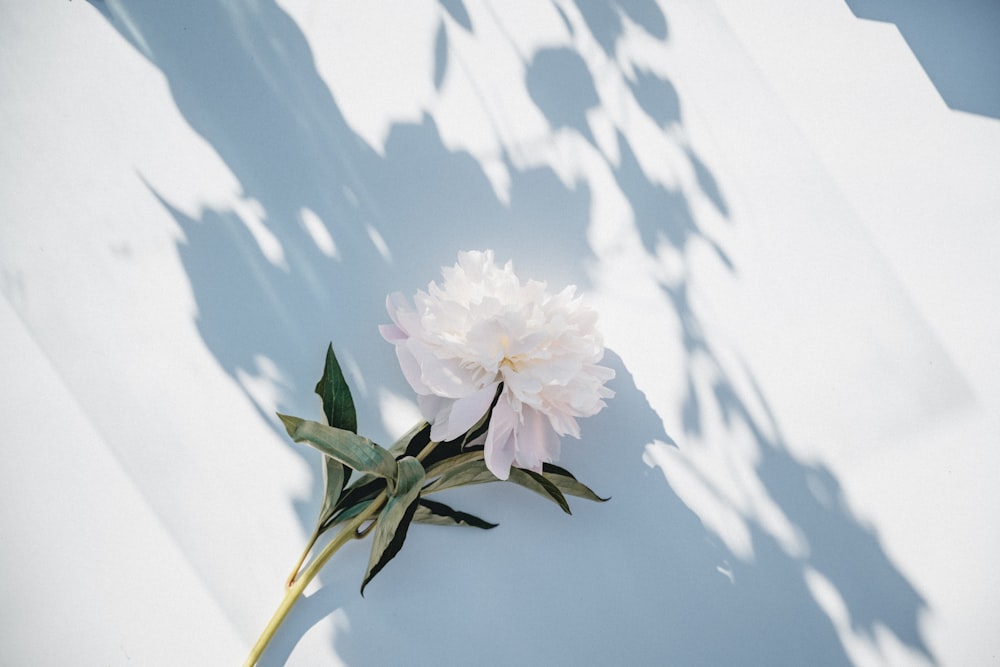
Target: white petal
[[395, 303], [602, 373], [411, 369], [525, 386], [536, 442], [435, 410], [444, 377], [467, 411], [564, 424], [499, 449], [452, 418], [392, 333], [481, 325]]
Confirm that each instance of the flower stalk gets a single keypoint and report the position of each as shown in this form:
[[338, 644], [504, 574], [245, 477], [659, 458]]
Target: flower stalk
[[297, 584], [501, 369], [302, 559]]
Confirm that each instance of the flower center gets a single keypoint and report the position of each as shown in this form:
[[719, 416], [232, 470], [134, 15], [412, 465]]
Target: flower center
[[512, 362]]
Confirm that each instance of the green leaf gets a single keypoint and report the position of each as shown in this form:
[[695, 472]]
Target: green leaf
[[334, 476], [348, 511], [354, 499], [395, 517], [351, 449], [461, 470], [364, 487], [568, 484], [439, 514], [365, 483], [469, 468], [400, 446], [539, 484], [453, 461], [338, 406]]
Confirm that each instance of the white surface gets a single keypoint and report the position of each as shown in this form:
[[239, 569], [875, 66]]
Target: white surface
[[792, 259], [88, 569]]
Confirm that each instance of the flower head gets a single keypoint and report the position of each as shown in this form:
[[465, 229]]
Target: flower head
[[482, 328]]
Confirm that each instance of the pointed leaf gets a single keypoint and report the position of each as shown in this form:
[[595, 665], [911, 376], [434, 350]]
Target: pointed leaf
[[354, 499], [395, 517], [454, 461], [348, 511], [351, 449], [419, 432], [338, 405], [539, 484], [474, 471], [364, 487], [462, 470], [568, 484], [338, 408], [439, 514], [416, 444], [334, 475]]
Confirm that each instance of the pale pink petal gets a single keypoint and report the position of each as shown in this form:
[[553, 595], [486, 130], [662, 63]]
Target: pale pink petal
[[411, 369], [444, 377], [435, 410], [450, 418], [564, 424], [467, 411], [394, 304], [392, 333], [499, 448], [481, 325], [602, 373], [524, 385], [536, 442]]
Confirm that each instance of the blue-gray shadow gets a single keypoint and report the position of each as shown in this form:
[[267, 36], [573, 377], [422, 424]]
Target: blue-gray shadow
[[633, 581], [456, 9], [561, 86], [636, 578], [605, 19], [849, 553], [956, 42]]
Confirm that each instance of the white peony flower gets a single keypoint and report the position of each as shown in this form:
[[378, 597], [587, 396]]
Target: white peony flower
[[481, 327]]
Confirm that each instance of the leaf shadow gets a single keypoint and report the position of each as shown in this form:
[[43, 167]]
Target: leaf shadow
[[640, 576]]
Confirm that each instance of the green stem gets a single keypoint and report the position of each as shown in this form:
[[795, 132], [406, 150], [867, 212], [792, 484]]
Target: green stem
[[292, 593], [305, 553]]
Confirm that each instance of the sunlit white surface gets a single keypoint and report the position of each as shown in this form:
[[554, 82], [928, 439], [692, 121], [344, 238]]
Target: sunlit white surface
[[788, 233]]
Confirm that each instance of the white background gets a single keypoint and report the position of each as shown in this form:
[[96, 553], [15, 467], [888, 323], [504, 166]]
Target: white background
[[786, 214]]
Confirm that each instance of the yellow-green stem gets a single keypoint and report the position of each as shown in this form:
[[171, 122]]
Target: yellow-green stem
[[296, 589], [292, 593], [302, 559]]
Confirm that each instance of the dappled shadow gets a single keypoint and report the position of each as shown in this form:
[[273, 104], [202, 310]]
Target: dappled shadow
[[657, 97], [327, 226], [637, 579], [605, 19], [956, 43], [562, 88], [267, 292]]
